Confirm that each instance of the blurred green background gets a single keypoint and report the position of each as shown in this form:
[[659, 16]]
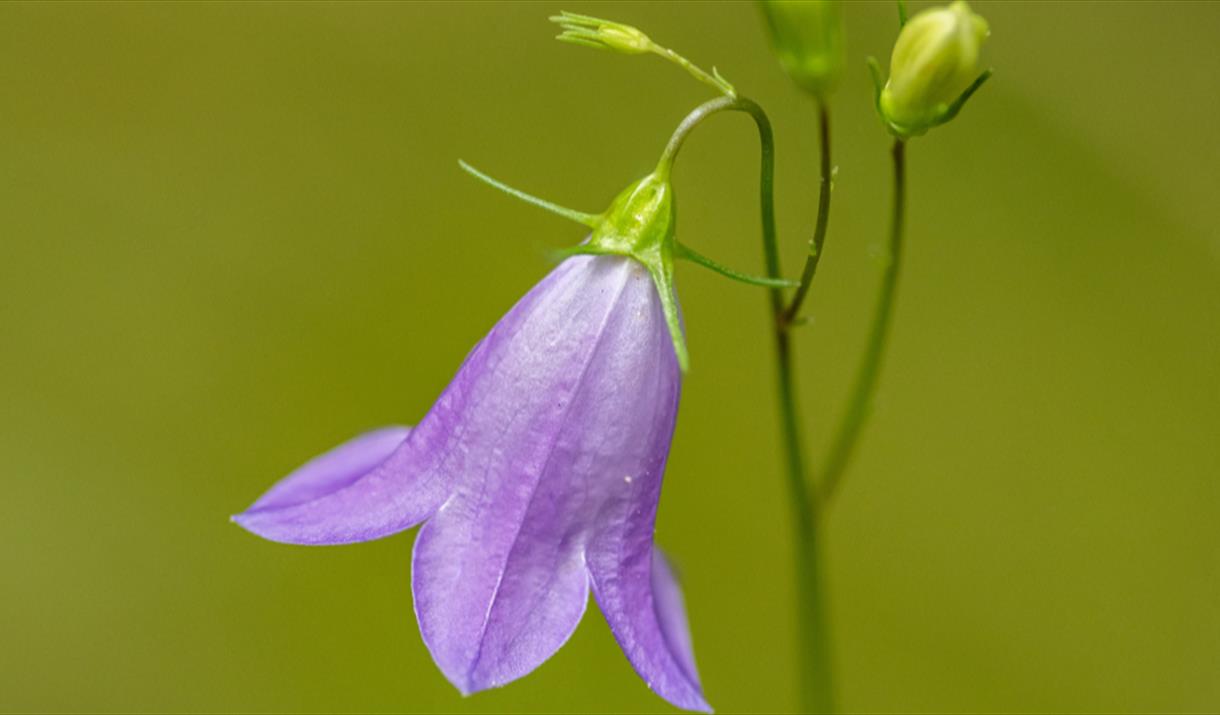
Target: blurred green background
[[233, 235]]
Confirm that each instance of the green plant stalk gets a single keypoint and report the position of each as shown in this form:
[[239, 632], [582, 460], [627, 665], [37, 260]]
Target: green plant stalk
[[813, 637], [823, 220], [861, 401], [816, 673]]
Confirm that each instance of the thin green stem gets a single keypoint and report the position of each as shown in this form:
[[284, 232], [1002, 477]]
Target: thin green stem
[[861, 401], [815, 673], [823, 220], [714, 80]]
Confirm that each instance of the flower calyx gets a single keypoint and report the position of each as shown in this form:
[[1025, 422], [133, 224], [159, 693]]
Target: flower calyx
[[640, 224]]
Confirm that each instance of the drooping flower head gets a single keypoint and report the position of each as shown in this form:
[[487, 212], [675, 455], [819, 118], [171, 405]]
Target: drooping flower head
[[537, 473]]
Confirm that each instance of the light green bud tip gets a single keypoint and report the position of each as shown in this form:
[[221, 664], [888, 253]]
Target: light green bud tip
[[933, 69], [807, 35], [602, 34]]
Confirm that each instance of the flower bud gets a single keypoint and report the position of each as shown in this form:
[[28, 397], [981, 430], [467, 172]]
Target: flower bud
[[807, 35], [935, 60], [602, 34]]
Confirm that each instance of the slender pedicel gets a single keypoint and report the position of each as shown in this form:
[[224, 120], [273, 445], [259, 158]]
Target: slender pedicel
[[860, 402], [931, 68]]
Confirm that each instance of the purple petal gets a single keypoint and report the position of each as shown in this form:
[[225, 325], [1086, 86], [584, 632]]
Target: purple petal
[[671, 614], [639, 597], [333, 470], [638, 600], [542, 462], [458, 436], [643, 606], [499, 574], [489, 617]]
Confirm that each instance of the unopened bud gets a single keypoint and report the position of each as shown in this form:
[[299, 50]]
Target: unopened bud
[[934, 62], [807, 35]]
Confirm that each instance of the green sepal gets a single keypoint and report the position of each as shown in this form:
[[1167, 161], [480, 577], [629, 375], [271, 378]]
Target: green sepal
[[874, 71], [947, 114], [590, 220], [581, 40], [952, 110], [683, 251], [663, 279]]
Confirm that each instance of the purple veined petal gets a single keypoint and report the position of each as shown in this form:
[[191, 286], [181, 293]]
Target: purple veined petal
[[542, 462], [333, 470], [644, 608], [459, 435], [633, 587], [499, 575], [671, 613], [642, 602]]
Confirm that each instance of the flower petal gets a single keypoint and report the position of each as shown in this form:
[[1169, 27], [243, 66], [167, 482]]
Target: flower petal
[[671, 613], [457, 436], [635, 590], [333, 470], [358, 491], [499, 574], [491, 626], [643, 605]]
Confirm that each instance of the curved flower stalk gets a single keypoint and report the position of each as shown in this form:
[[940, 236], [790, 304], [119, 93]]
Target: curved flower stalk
[[537, 473]]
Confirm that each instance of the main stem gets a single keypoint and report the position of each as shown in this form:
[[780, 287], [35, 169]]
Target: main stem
[[816, 681], [870, 365], [813, 636]]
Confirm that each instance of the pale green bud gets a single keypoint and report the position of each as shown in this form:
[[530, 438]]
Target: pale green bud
[[603, 34], [935, 61], [807, 35]]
